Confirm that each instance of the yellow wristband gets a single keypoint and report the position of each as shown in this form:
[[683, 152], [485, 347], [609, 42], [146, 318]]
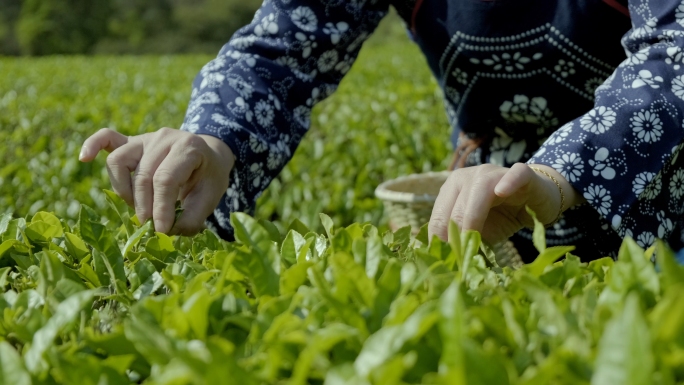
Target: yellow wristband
[[560, 190]]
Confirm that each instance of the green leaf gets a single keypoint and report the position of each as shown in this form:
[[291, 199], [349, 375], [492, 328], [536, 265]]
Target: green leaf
[[49, 218], [455, 259], [148, 286], [323, 341], [342, 241], [65, 314], [346, 312], [135, 238], [641, 267], [249, 232], [7, 246], [452, 331], [160, 246], [345, 268], [422, 236], [272, 230], [43, 231], [147, 337], [195, 309], [327, 225], [389, 340], [673, 272], [625, 354], [298, 226], [374, 256], [539, 232], [75, 246], [12, 370], [294, 277], [108, 271], [4, 222], [546, 258], [121, 208], [470, 243], [291, 246], [97, 236], [388, 287], [259, 265]]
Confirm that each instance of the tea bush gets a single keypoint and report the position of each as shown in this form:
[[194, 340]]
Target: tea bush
[[381, 123], [117, 303]]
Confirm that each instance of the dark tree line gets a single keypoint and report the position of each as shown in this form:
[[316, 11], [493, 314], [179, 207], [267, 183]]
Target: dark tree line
[[44, 27]]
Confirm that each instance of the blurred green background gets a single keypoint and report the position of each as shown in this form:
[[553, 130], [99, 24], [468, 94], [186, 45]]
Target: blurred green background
[[49, 27], [385, 120]]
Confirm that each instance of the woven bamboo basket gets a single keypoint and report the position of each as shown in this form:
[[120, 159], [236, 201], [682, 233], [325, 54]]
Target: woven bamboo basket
[[409, 201]]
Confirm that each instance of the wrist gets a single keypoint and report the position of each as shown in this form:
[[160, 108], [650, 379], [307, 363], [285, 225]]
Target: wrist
[[571, 196], [221, 149]]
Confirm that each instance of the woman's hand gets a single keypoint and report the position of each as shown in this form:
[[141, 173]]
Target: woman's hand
[[152, 171], [492, 199]]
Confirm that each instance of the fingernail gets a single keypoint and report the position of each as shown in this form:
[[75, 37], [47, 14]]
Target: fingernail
[[83, 154]]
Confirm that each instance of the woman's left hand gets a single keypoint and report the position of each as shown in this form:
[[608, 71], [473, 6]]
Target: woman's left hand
[[492, 199]]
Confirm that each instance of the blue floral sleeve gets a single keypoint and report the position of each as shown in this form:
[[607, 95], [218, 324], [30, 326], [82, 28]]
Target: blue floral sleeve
[[624, 156], [257, 95]]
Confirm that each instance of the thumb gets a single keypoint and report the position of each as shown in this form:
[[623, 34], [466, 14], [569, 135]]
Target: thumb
[[518, 177], [199, 203]]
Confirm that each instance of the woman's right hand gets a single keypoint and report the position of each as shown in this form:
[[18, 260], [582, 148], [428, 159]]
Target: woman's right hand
[[152, 171]]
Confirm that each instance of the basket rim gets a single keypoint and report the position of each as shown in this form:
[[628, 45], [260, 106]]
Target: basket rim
[[383, 193]]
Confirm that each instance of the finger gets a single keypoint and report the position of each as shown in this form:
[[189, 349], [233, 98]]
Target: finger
[[120, 164], [174, 172], [143, 179], [517, 178], [105, 139], [197, 206], [458, 210], [480, 202], [441, 212]]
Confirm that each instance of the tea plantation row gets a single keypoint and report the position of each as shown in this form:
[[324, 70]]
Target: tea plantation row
[[380, 124], [119, 304]]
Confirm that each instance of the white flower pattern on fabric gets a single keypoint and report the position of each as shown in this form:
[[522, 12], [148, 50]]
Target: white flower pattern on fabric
[[679, 15], [570, 166], [565, 68], [646, 78], [601, 164], [561, 134], [637, 58], [598, 120], [460, 76], [268, 26], [646, 125], [524, 109], [598, 197], [593, 84], [327, 61], [677, 184], [645, 239], [641, 181], [335, 31], [505, 61], [264, 113], [308, 43], [305, 19], [666, 225], [652, 190], [675, 57], [257, 145], [678, 86], [302, 116]]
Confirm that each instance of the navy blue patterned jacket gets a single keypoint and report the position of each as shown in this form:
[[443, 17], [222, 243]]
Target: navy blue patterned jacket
[[589, 87]]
